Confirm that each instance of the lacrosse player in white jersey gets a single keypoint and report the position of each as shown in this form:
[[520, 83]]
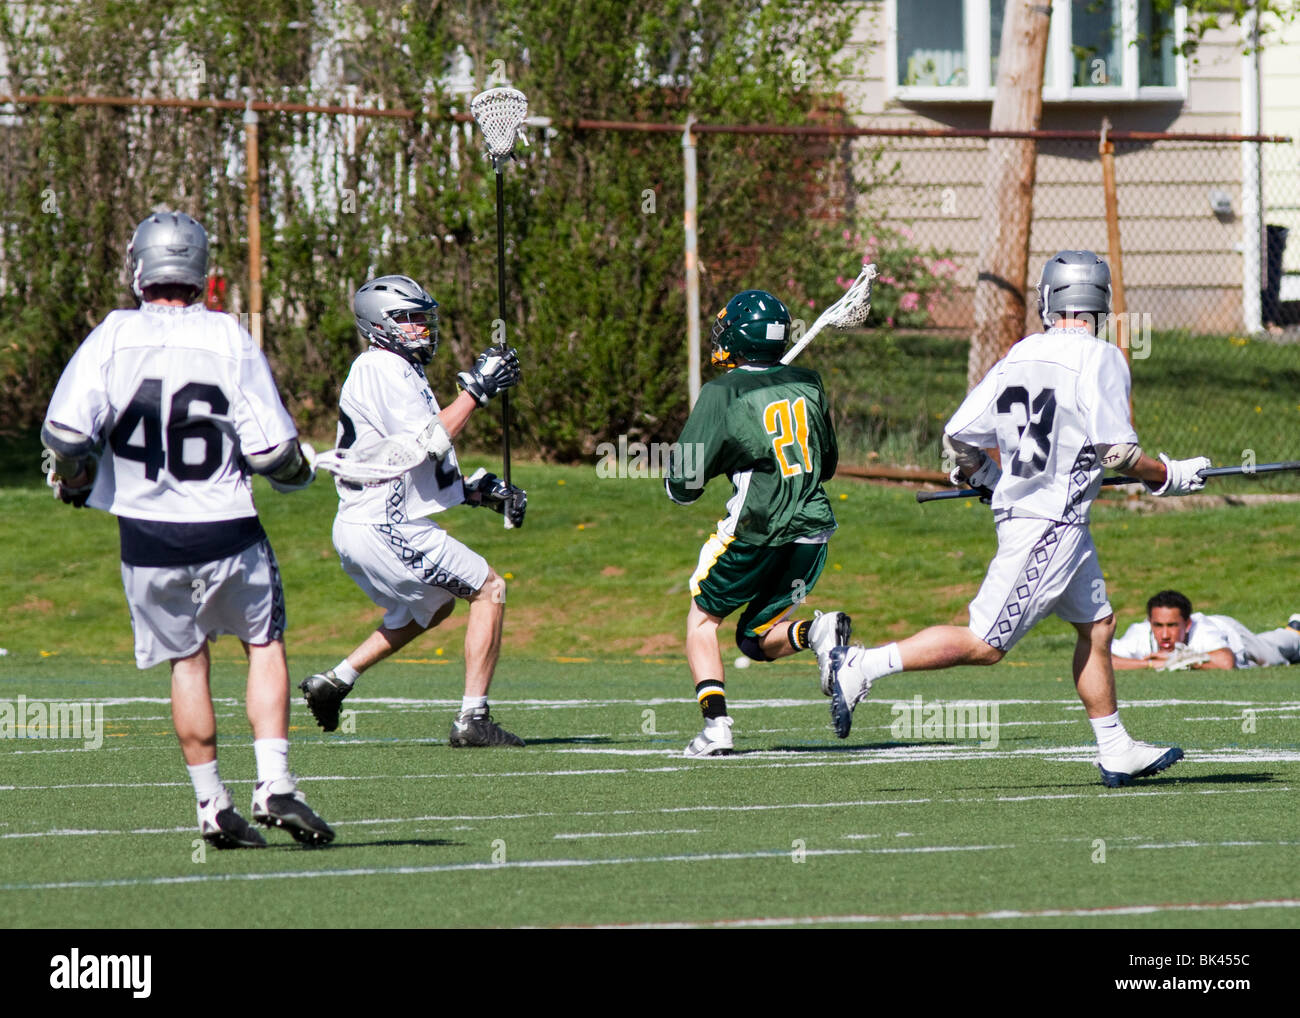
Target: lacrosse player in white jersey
[[1056, 408], [404, 562], [1175, 638], [158, 419]]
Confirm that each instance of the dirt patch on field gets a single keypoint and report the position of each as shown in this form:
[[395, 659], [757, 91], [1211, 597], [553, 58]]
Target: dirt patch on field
[[32, 605], [612, 571], [1181, 503]]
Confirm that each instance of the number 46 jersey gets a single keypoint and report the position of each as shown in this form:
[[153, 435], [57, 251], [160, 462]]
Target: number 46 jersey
[[1050, 406], [175, 394]]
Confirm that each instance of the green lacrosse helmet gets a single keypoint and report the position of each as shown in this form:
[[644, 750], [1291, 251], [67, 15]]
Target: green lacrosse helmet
[[754, 325]]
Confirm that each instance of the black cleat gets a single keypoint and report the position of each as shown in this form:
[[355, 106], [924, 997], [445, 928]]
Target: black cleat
[[323, 693], [290, 812], [480, 730], [221, 826]]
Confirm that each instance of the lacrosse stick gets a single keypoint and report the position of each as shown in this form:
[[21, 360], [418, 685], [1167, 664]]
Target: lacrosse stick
[[1182, 659], [851, 309], [385, 460], [500, 114], [1258, 468]]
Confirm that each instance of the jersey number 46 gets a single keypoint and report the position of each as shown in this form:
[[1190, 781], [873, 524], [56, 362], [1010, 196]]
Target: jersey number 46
[[144, 414]]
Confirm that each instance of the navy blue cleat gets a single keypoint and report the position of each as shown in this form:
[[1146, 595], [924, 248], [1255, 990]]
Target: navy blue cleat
[[1140, 760]]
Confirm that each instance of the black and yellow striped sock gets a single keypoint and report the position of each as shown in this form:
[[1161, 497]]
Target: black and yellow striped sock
[[713, 699], [798, 634]]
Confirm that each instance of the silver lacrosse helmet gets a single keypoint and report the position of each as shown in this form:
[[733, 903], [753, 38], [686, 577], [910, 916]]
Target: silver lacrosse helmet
[[168, 247], [388, 307], [1073, 281]]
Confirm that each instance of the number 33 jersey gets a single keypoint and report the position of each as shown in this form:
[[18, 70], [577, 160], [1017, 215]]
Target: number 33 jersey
[[385, 396], [175, 394], [1049, 406]]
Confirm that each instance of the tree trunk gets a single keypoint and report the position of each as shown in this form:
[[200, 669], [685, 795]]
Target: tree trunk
[[1009, 187]]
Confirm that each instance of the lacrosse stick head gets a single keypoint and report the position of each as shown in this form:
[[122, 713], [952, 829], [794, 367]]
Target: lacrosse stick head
[[852, 309], [373, 463], [500, 114]]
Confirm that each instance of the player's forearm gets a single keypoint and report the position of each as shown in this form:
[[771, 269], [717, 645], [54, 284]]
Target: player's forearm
[[1129, 664], [1147, 469], [455, 416], [1220, 660]]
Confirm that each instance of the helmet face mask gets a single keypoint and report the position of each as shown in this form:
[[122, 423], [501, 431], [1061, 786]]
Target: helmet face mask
[[754, 327], [1074, 283], [398, 314], [168, 248]]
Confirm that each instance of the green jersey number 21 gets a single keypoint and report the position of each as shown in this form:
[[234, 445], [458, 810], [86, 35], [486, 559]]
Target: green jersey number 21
[[787, 422]]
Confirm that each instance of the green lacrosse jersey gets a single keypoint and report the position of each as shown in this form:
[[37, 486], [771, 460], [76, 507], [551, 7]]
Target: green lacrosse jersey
[[767, 428]]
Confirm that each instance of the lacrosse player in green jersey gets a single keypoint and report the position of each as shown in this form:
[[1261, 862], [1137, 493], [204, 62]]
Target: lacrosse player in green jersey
[[767, 427]]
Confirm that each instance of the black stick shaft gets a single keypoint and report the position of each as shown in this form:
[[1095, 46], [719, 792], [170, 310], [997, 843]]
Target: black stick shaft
[[501, 314], [1258, 468]]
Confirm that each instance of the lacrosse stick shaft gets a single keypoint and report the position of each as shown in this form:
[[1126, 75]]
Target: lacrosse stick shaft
[[501, 314], [795, 350], [1258, 468]]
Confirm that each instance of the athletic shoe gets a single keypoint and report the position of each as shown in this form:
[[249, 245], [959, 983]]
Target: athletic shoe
[[828, 629], [850, 685], [290, 812], [324, 692], [222, 827], [471, 729], [1140, 760], [1294, 622], [713, 740]]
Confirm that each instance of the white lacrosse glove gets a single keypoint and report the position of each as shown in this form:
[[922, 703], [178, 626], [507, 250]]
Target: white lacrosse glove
[[1182, 477], [489, 491], [983, 480], [303, 476], [1182, 659], [495, 371]]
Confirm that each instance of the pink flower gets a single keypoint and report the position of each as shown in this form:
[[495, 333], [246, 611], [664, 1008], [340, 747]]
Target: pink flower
[[812, 303], [888, 280], [842, 282], [789, 284], [847, 234], [910, 301], [905, 233]]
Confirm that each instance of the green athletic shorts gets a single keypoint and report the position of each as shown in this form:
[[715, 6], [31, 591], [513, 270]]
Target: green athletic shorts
[[770, 579]]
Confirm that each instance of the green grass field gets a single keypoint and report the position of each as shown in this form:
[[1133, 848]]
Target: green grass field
[[600, 820]]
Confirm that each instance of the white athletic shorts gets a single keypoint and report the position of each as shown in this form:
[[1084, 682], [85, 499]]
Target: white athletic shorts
[[1041, 567], [408, 569], [174, 609]]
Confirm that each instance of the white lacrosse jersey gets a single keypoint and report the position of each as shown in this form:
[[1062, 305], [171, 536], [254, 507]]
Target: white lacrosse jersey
[[1047, 406], [1204, 634], [386, 396], [176, 395]]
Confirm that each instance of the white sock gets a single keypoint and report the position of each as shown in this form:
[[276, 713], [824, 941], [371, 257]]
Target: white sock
[[472, 703], [870, 663], [272, 760], [207, 782], [345, 673], [1111, 735]]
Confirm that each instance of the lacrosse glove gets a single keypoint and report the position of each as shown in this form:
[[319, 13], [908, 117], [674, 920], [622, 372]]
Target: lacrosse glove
[[495, 371], [489, 491], [65, 492], [1182, 477], [983, 480]]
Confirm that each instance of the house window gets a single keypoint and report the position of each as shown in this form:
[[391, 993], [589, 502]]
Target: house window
[[1109, 50]]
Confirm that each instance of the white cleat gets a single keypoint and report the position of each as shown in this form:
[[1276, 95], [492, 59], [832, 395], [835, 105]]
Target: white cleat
[[1140, 760], [714, 740], [828, 630], [851, 682]]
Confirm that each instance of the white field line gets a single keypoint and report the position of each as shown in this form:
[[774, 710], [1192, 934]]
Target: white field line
[[864, 919], [622, 834], [526, 864], [1106, 794]]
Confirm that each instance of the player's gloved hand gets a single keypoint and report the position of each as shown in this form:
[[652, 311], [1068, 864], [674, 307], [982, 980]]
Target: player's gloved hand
[[1182, 477], [489, 491], [495, 371], [983, 480], [73, 495], [296, 478]]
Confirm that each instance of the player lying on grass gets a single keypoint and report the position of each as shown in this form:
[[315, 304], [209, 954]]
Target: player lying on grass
[[182, 404], [1174, 638], [407, 564], [1057, 410], [767, 427]]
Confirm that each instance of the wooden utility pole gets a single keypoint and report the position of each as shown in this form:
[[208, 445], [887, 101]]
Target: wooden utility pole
[[1009, 187]]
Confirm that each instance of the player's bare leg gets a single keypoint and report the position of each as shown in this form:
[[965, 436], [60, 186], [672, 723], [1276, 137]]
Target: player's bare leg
[[192, 714], [1094, 673], [705, 661], [945, 647], [474, 725], [268, 690]]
